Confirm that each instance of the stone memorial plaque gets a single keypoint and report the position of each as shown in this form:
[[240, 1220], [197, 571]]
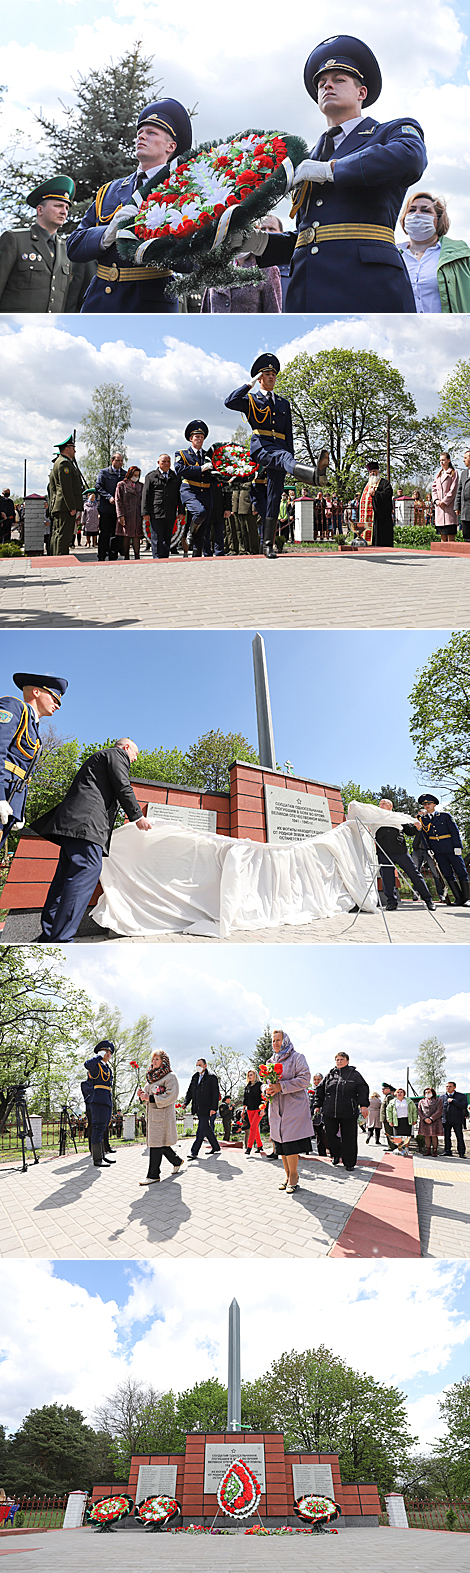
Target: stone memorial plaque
[[155, 1480], [313, 1477], [218, 1456], [292, 816], [34, 525], [396, 1510], [190, 818]]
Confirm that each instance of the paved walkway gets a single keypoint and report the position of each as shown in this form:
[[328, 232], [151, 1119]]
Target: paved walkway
[[443, 1196], [410, 925], [369, 590], [384, 1550]]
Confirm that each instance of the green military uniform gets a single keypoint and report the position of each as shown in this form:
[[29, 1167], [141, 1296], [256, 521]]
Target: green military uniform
[[65, 493], [245, 518], [35, 271]]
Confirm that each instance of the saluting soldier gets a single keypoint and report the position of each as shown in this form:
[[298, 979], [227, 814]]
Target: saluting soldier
[[193, 466], [101, 1101], [163, 133], [35, 271], [272, 442], [20, 743], [65, 492], [441, 835], [348, 193]]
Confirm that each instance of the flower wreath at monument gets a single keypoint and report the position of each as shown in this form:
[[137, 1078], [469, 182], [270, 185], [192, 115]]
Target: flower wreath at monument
[[158, 1511], [316, 1510], [239, 1491], [185, 223], [109, 1511], [233, 459]]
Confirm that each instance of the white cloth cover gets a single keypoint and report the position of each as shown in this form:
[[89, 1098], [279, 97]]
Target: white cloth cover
[[191, 882]]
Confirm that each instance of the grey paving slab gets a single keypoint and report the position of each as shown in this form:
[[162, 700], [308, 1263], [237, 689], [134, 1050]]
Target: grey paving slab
[[410, 925], [390, 590], [76, 1210], [443, 1197], [384, 1550]]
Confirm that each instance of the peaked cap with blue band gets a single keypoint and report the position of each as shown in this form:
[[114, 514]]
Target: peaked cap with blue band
[[53, 685], [343, 52], [265, 362], [194, 426], [172, 117]]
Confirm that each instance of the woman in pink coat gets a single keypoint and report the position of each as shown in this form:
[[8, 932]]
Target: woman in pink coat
[[444, 488]]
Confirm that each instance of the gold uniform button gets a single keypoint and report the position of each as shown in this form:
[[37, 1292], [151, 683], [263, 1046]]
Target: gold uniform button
[[107, 289], [313, 250]]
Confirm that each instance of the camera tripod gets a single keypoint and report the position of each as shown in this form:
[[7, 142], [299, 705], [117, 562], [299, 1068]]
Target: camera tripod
[[373, 882], [16, 1099], [65, 1128]]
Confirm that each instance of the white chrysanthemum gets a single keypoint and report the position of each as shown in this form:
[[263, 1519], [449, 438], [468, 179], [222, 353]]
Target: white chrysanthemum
[[155, 216]]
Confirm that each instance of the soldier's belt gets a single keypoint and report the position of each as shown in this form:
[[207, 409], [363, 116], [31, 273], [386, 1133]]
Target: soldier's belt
[[117, 275], [260, 432], [202, 485], [318, 232], [15, 770]]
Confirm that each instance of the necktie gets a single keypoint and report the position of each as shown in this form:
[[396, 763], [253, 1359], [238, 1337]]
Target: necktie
[[140, 179], [329, 141]]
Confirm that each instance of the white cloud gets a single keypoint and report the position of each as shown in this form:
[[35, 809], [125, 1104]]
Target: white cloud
[[79, 1346], [386, 1046], [48, 377]]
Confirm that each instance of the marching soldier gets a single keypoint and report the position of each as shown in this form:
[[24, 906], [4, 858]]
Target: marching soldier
[[20, 744], [348, 193], [441, 835], [65, 498], [163, 133], [101, 1101], [272, 442], [194, 468], [35, 271]]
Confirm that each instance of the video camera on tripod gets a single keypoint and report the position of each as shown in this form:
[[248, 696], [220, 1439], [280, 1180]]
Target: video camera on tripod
[[16, 1100]]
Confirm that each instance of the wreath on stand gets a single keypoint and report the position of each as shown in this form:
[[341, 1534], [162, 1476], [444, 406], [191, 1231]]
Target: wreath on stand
[[157, 1512], [185, 223], [239, 1492], [317, 1511], [108, 1512]]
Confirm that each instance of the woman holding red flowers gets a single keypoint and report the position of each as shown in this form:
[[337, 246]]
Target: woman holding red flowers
[[160, 1094], [290, 1121]]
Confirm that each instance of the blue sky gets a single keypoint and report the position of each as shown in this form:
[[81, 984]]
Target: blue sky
[[339, 699]]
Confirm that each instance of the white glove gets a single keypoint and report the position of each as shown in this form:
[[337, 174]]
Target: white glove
[[457, 852], [255, 242], [119, 222], [6, 812], [205, 467], [312, 169]]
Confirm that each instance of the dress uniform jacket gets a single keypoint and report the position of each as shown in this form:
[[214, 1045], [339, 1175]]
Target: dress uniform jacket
[[65, 488], [195, 488], [443, 838], [129, 294], [374, 166], [89, 809], [31, 278], [20, 750], [102, 1078], [271, 424]]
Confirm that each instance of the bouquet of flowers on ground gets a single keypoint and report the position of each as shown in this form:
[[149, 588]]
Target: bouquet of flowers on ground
[[270, 1074], [185, 222], [233, 459]]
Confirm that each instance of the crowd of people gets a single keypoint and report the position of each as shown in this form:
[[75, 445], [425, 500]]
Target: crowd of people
[[302, 1117]]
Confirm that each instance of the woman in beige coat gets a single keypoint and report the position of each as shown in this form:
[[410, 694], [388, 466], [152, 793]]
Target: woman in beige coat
[[444, 488], [160, 1094]]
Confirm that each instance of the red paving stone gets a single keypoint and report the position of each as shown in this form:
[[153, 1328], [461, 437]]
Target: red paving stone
[[385, 1220]]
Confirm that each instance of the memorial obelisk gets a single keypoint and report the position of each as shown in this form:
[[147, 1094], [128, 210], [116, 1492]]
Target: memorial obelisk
[[267, 753], [234, 1400]]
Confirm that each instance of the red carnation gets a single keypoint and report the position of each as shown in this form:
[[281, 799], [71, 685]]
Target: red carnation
[[232, 202], [278, 1069]]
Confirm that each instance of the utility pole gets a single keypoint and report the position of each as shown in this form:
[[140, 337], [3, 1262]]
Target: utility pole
[[388, 447]]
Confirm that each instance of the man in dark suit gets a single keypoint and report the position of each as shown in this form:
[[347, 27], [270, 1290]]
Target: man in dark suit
[[392, 852], [106, 492], [348, 193], [203, 1095], [82, 826], [160, 500], [462, 497], [35, 272], [454, 1116]]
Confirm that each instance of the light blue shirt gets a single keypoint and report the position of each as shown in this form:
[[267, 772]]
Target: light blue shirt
[[423, 277]]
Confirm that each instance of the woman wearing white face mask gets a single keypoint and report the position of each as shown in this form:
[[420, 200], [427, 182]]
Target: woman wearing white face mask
[[439, 267]]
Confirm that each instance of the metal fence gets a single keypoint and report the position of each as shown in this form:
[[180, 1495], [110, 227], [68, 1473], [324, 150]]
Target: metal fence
[[39, 1512], [435, 1515]]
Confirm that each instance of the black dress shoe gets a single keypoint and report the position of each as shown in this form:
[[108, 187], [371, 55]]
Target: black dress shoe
[[336, 1161]]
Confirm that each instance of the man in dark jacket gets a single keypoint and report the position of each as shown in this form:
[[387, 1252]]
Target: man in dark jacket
[[392, 852], [462, 499], [105, 489], [340, 1095], [82, 826], [203, 1095], [160, 501], [454, 1114]]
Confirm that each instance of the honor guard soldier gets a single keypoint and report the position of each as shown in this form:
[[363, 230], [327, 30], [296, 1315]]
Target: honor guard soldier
[[65, 493], [20, 744], [348, 193], [441, 835], [193, 466], [35, 271], [163, 133], [101, 1101], [272, 442]]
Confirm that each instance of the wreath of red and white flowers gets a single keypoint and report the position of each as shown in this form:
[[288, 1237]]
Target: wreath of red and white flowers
[[202, 189], [239, 1491], [314, 1509], [233, 459], [158, 1510], [110, 1508]]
